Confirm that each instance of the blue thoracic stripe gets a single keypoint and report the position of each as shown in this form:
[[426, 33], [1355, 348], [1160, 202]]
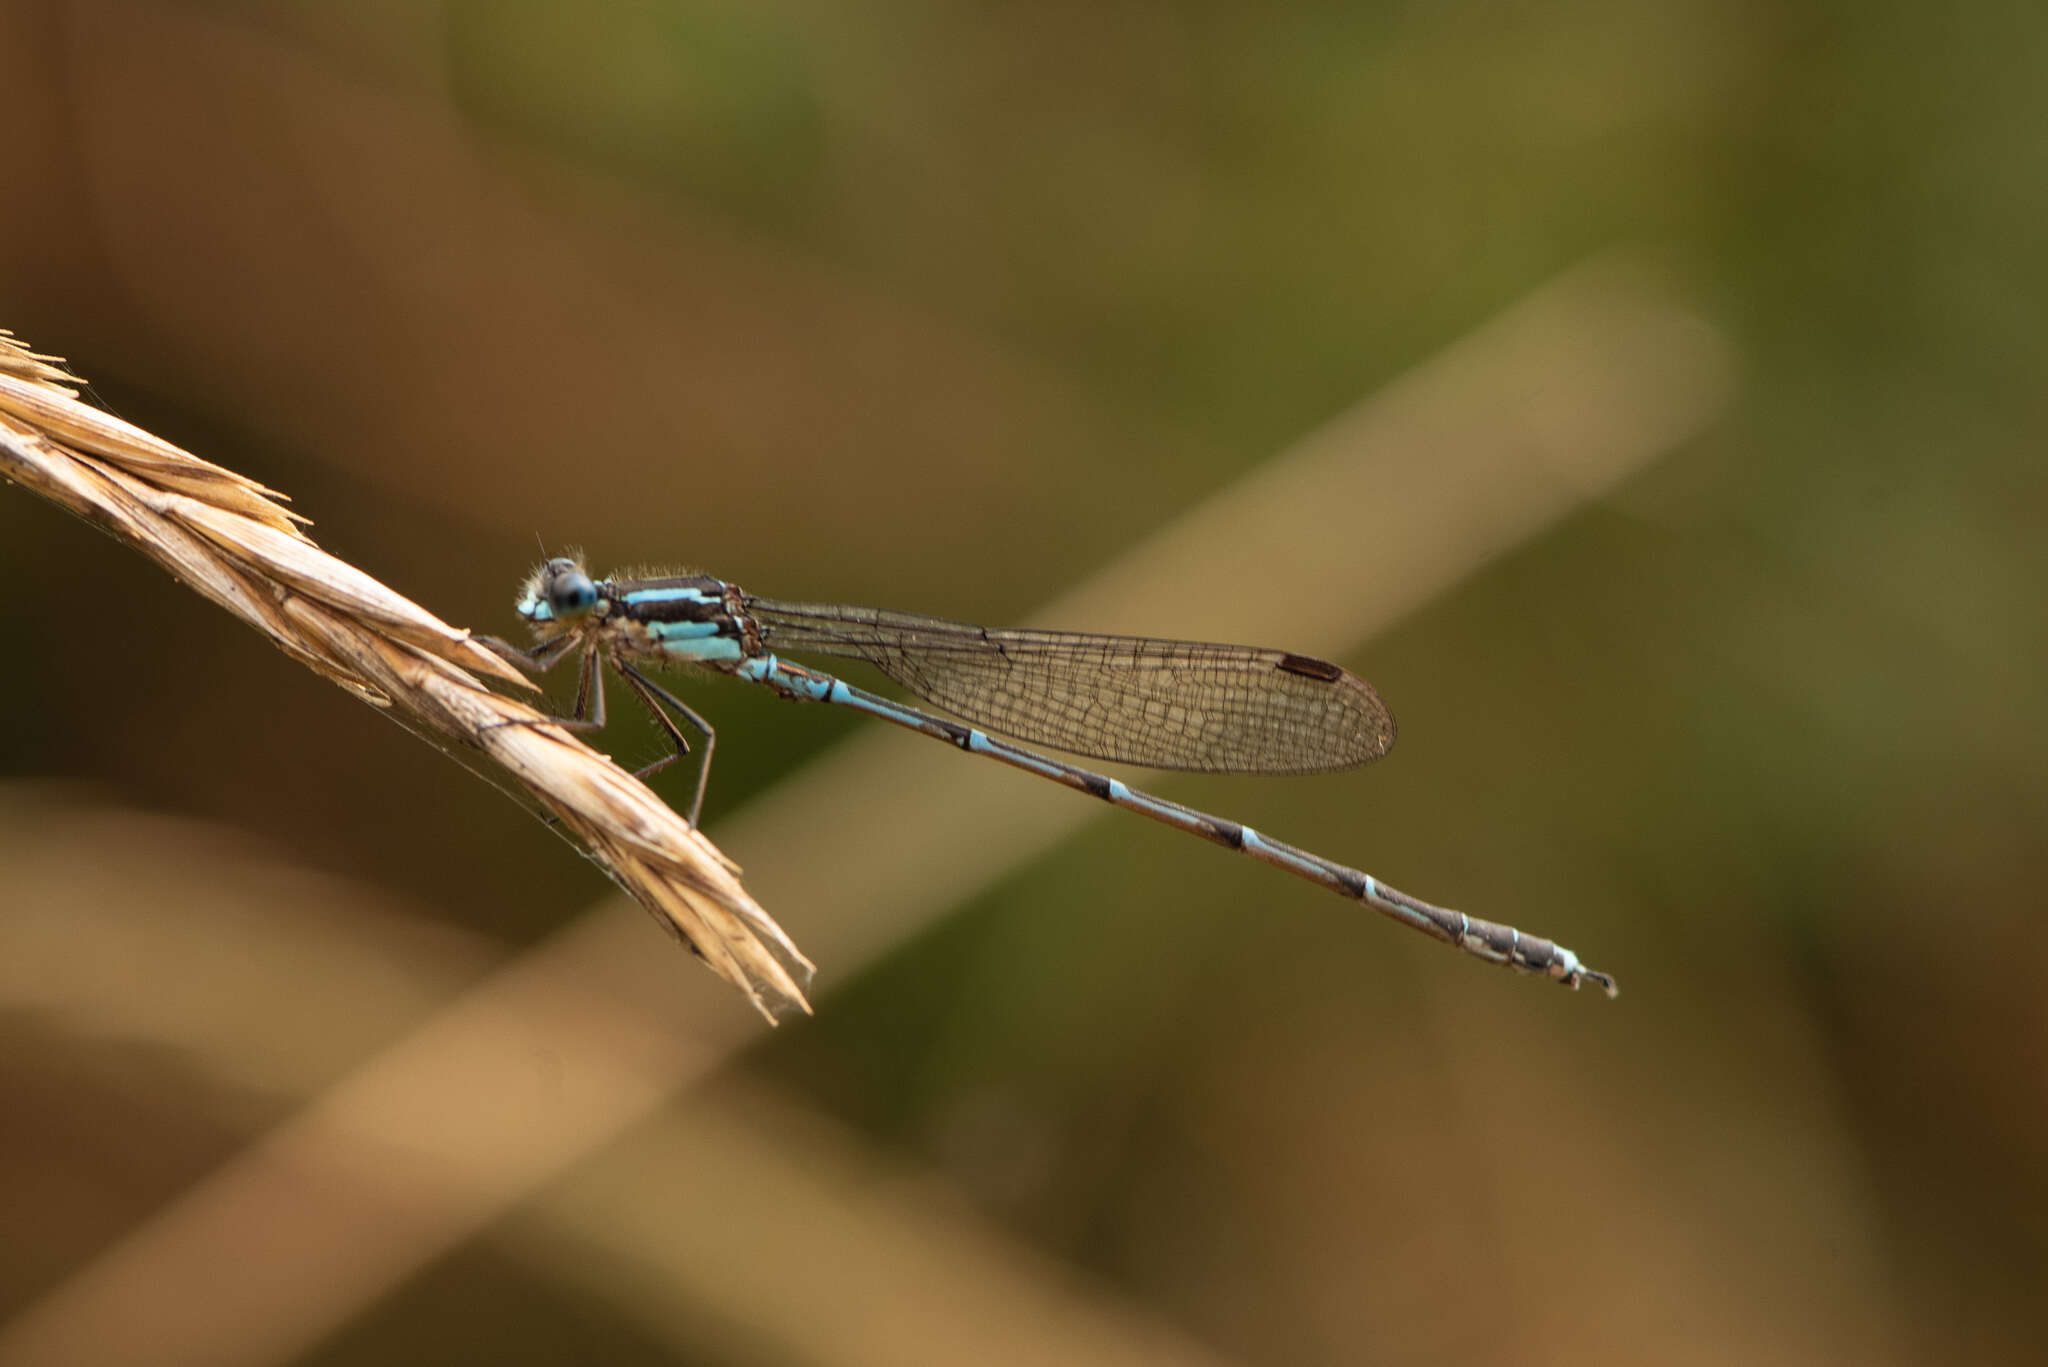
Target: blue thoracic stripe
[[640, 597], [698, 642], [683, 631]]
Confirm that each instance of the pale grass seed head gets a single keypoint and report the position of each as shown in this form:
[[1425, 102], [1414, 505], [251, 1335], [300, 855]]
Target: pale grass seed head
[[230, 539]]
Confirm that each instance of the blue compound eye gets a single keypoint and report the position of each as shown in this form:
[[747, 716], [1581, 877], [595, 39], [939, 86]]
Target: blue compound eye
[[571, 593]]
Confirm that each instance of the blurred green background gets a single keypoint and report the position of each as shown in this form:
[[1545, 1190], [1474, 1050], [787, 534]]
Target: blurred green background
[[940, 306]]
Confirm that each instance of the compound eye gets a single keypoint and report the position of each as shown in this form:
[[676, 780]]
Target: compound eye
[[571, 593]]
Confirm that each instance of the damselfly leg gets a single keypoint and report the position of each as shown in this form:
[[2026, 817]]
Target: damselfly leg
[[589, 712], [652, 695]]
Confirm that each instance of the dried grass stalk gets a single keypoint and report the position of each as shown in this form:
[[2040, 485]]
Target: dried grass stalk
[[230, 540]]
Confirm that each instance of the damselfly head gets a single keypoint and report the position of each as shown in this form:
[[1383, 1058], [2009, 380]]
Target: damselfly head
[[559, 591]]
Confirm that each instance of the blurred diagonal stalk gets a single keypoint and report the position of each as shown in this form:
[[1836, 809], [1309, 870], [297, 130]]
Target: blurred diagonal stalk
[[230, 540], [1544, 409], [281, 990]]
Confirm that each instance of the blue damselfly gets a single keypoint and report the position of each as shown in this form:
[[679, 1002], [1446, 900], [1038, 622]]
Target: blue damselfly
[[1135, 700]]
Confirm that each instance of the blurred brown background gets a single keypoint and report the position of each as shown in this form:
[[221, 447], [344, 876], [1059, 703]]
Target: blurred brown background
[[308, 1053]]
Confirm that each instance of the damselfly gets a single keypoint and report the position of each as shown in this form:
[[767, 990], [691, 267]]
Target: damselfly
[[1131, 699]]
